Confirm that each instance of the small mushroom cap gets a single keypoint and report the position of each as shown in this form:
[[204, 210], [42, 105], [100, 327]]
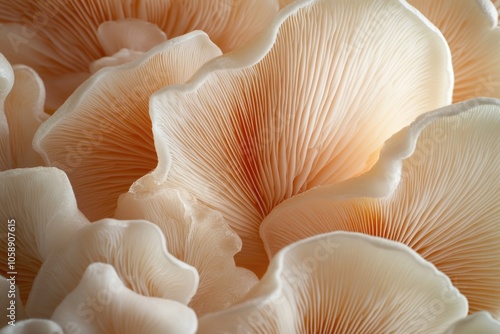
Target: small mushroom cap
[[436, 188], [33, 326], [471, 30], [102, 304], [101, 137], [136, 249], [60, 39], [309, 102], [344, 283], [40, 212], [199, 237], [477, 323], [24, 111], [22, 96]]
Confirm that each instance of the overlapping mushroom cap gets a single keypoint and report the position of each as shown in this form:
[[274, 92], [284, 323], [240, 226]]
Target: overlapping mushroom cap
[[137, 251], [40, 205], [62, 39], [22, 95], [308, 103], [101, 137], [102, 304], [199, 237], [436, 188], [344, 283], [471, 30]]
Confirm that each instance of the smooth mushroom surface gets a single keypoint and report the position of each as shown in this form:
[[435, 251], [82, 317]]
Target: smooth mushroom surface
[[102, 304], [101, 137], [477, 323], [436, 188], [199, 237], [135, 248], [6, 83], [60, 40], [344, 283], [21, 113], [34, 326], [39, 211], [309, 102], [471, 30]]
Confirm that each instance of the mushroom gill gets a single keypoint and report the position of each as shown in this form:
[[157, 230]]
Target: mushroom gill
[[436, 188], [102, 304], [61, 39], [309, 102], [137, 251], [101, 137], [471, 30], [39, 211], [344, 283], [199, 237]]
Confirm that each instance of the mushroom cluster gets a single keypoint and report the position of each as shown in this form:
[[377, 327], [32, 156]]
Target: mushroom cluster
[[256, 166]]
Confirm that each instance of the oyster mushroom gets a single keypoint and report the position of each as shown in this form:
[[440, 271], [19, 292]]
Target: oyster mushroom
[[471, 30], [308, 103], [136, 249], [62, 39], [344, 283], [101, 137], [22, 95], [101, 303], [480, 322], [40, 212], [436, 188], [197, 236]]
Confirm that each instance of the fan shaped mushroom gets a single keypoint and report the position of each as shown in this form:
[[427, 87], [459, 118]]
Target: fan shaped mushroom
[[21, 113], [101, 137], [344, 283], [102, 304], [61, 39], [309, 102], [480, 322], [471, 30], [136, 249], [435, 188], [197, 236], [39, 213]]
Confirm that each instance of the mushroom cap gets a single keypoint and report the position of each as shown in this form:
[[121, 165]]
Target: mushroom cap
[[436, 188], [471, 30], [136, 249], [33, 326], [480, 322], [101, 303], [197, 236], [344, 283], [309, 102], [101, 137], [6, 83], [40, 211], [61, 39]]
